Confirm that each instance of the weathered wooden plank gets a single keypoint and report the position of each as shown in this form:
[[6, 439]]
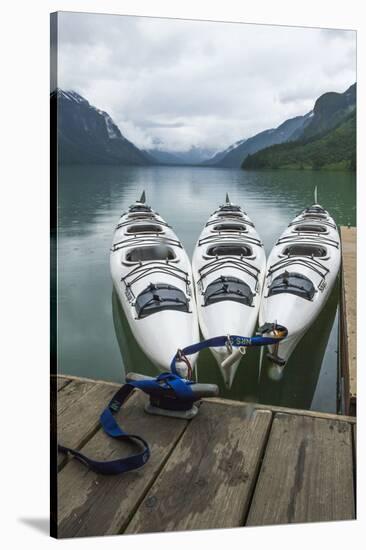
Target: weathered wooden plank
[[348, 312], [92, 504], [208, 480], [71, 393], [275, 408], [354, 431], [79, 421], [72, 377], [62, 382], [306, 473]]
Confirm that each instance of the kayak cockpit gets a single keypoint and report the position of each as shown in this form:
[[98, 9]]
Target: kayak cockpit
[[230, 227], [310, 228], [230, 249], [305, 249], [156, 252], [144, 228]]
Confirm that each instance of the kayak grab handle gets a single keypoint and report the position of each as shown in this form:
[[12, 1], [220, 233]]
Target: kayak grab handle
[[233, 357], [276, 334]]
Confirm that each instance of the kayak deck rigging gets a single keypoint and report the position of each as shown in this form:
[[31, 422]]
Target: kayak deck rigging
[[148, 268], [308, 262], [152, 277], [149, 219], [242, 238], [143, 239], [218, 264], [311, 220], [308, 239], [228, 218]]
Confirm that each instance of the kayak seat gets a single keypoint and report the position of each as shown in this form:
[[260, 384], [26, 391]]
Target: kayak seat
[[292, 283], [228, 288], [159, 297]]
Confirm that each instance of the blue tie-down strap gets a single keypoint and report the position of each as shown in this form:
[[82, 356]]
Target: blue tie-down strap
[[234, 341], [166, 391]]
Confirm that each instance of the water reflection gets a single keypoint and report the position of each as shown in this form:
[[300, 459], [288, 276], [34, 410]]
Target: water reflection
[[297, 386], [300, 377], [93, 338], [134, 359]]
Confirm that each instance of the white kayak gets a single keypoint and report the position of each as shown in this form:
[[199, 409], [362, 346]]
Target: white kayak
[[301, 271], [228, 269], [152, 276]]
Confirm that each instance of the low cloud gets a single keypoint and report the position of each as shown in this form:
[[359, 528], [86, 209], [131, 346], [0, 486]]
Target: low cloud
[[183, 83]]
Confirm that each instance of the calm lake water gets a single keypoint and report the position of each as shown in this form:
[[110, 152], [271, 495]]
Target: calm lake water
[[94, 339]]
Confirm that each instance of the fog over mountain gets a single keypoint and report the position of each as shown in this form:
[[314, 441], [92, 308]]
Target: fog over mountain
[[194, 84]]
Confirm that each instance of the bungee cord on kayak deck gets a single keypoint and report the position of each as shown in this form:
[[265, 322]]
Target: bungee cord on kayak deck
[[302, 269], [228, 268], [152, 276], [148, 268]]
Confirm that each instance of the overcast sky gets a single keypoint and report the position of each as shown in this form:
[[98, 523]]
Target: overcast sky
[[182, 83]]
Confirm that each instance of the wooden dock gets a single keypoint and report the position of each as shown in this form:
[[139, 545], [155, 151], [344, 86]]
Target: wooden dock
[[348, 320], [235, 464]]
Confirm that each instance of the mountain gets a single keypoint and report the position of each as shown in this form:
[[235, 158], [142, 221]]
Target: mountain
[[327, 141], [221, 154], [164, 157], [194, 155], [235, 154], [329, 110], [87, 135], [333, 149]]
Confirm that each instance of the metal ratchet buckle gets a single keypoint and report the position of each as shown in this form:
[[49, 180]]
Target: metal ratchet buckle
[[279, 331]]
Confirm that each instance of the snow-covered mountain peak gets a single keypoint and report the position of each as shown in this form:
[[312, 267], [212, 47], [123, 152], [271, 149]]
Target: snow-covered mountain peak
[[70, 95]]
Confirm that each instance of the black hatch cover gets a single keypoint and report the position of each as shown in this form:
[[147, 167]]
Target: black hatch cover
[[228, 288], [158, 297], [292, 283]]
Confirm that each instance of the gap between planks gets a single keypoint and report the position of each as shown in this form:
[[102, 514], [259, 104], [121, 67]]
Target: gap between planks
[[307, 473], [209, 479], [278, 409], [125, 525], [91, 504], [71, 378]]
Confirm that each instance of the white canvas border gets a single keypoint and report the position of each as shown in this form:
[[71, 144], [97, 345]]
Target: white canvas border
[[24, 201]]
